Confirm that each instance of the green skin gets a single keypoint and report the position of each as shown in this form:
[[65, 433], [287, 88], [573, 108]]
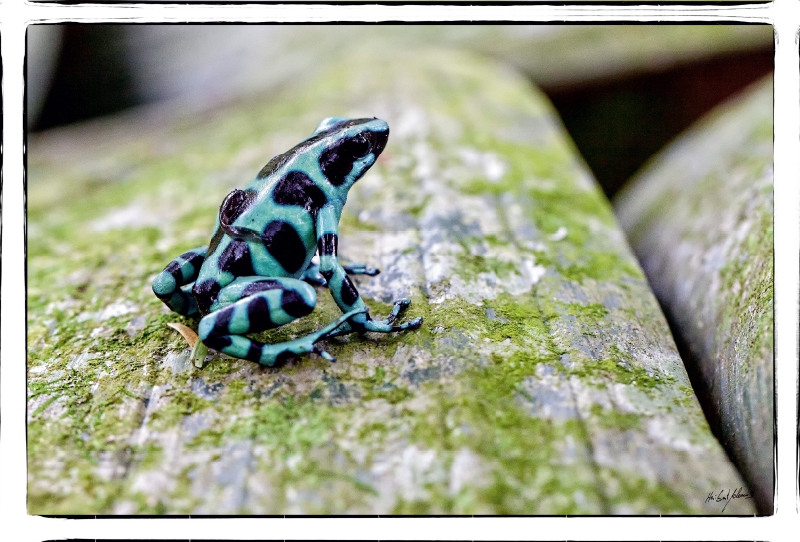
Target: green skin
[[257, 273]]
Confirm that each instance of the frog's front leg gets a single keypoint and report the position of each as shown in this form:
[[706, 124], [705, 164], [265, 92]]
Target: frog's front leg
[[312, 275], [342, 288], [315, 278], [360, 269], [253, 304]]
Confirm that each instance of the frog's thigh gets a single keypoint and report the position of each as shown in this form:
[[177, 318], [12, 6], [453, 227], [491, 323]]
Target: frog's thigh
[[253, 304]]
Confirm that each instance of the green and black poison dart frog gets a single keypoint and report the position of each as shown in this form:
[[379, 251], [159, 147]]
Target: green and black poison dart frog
[[257, 273]]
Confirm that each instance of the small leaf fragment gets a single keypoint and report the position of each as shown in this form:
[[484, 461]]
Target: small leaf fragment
[[199, 350], [187, 332]]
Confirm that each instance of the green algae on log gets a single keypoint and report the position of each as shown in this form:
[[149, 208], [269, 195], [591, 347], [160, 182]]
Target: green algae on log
[[700, 219], [544, 379]]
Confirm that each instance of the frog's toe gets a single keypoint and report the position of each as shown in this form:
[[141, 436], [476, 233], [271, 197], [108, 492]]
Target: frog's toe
[[416, 323], [323, 354], [388, 324], [315, 280], [361, 269], [399, 306]]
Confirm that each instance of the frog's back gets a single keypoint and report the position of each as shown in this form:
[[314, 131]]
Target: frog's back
[[269, 228]]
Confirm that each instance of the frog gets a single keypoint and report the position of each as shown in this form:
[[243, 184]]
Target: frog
[[275, 241]]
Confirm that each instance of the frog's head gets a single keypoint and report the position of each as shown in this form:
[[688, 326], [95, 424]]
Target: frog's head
[[349, 148], [341, 150]]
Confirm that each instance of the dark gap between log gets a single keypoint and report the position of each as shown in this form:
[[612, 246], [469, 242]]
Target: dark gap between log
[[619, 123]]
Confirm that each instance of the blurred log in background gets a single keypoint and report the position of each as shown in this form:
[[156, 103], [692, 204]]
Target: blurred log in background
[[622, 91]]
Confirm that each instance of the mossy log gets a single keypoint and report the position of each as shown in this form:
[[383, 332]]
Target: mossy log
[[544, 379], [700, 219]]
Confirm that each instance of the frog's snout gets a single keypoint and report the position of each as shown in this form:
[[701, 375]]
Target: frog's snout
[[378, 140]]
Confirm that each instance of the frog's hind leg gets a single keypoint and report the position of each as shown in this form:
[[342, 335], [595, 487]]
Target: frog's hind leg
[[172, 285], [253, 304]]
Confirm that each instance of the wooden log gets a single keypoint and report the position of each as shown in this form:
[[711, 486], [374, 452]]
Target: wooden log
[[700, 219], [544, 379]]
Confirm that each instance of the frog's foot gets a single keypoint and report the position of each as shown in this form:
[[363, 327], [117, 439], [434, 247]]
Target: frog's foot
[[313, 276], [173, 284], [360, 269], [339, 327], [399, 306], [356, 323], [387, 325]]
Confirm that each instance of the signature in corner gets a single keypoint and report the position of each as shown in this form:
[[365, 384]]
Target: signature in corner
[[728, 495]]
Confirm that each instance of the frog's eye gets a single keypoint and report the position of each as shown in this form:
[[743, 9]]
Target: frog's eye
[[337, 160], [234, 205], [356, 147]]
